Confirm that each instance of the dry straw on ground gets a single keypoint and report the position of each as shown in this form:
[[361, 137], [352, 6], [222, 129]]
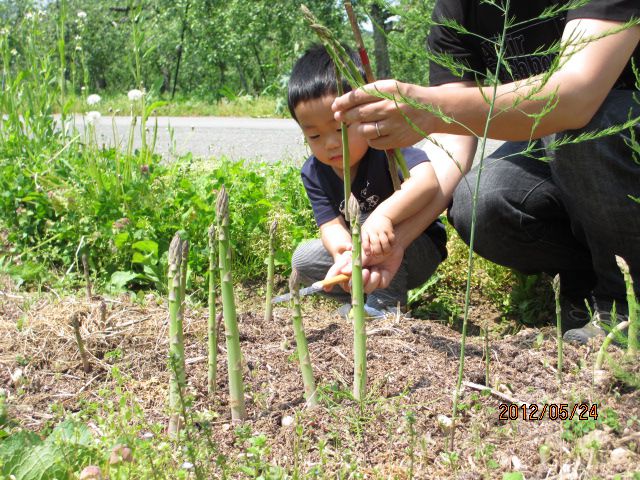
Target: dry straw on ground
[[411, 365]]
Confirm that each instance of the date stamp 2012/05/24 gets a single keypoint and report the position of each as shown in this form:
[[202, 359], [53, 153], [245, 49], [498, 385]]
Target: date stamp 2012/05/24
[[552, 411]]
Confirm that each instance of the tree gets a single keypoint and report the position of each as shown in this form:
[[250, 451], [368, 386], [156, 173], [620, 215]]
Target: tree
[[381, 27]]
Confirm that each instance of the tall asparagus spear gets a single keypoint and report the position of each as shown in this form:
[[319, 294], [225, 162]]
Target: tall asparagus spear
[[301, 343], [234, 355], [176, 343], [212, 331], [268, 308], [357, 309], [556, 291], [634, 328]]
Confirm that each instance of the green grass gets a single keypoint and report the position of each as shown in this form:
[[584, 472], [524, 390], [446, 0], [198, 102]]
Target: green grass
[[235, 106]]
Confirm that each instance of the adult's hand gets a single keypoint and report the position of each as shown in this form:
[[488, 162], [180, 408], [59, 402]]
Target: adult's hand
[[382, 120], [377, 272]]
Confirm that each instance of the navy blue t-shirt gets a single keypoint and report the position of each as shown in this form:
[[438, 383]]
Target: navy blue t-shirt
[[371, 186]]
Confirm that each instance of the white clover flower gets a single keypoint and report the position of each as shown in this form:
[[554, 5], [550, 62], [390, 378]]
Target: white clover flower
[[82, 15], [92, 117], [14, 52], [187, 466], [115, 25], [135, 95], [78, 48], [78, 38], [93, 99], [4, 32], [28, 15]]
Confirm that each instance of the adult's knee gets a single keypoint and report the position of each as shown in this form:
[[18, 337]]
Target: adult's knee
[[490, 216]]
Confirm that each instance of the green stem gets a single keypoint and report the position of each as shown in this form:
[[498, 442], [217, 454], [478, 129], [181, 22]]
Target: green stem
[[212, 331], [234, 355], [268, 307], [634, 329], [346, 157], [556, 291], [63, 63], [183, 278], [607, 341], [467, 295], [357, 309], [176, 350], [304, 358]]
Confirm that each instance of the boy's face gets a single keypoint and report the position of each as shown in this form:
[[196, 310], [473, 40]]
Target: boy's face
[[322, 132]]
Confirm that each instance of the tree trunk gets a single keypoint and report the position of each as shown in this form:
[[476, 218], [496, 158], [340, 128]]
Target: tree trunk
[[180, 48], [379, 17]]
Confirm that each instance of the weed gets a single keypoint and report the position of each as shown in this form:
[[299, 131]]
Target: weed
[[575, 428]]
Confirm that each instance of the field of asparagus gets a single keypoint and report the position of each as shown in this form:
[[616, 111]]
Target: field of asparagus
[[138, 339], [116, 386]]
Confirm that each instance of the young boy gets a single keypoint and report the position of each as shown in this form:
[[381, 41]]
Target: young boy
[[312, 89]]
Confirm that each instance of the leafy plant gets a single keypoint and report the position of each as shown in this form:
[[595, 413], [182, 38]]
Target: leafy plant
[[576, 428], [28, 457]]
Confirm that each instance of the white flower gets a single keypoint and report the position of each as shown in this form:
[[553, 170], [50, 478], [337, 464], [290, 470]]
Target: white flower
[[28, 15], [14, 52], [147, 435], [78, 38], [135, 94], [92, 117], [93, 99], [82, 14], [78, 48], [187, 465]]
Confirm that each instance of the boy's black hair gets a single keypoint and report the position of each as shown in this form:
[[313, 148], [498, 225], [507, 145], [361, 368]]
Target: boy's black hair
[[314, 76]]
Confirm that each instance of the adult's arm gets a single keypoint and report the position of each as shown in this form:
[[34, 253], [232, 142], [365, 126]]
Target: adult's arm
[[451, 157], [594, 54]]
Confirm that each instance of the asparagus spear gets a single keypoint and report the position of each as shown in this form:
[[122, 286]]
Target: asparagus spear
[[234, 355], [301, 343]]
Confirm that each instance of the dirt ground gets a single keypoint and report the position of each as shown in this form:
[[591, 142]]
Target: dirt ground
[[412, 368]]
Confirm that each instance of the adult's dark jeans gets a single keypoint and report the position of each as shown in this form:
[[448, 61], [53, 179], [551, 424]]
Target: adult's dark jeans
[[570, 215]]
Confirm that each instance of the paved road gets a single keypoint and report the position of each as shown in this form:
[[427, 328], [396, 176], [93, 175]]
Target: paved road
[[268, 139]]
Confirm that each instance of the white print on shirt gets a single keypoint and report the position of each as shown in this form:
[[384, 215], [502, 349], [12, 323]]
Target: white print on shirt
[[369, 204], [522, 65]]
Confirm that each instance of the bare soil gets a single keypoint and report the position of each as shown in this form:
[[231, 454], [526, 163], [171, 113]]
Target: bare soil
[[412, 368]]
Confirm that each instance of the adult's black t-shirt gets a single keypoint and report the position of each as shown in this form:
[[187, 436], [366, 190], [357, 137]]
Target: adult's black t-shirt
[[529, 41]]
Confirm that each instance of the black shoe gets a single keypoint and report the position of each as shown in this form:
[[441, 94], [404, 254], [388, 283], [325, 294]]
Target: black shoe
[[574, 313], [600, 324]]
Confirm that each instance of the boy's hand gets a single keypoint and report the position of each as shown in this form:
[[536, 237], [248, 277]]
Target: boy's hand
[[342, 264], [377, 235]]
